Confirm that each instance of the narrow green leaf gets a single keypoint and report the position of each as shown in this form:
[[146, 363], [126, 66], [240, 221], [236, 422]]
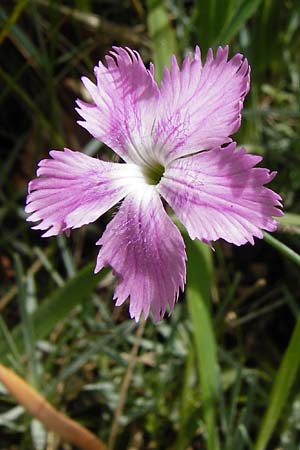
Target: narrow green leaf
[[12, 349], [9, 161], [66, 255], [38, 434], [49, 266], [27, 304], [102, 345], [92, 147], [209, 18], [199, 277], [12, 19], [57, 307], [60, 304], [84, 5], [233, 410], [204, 22], [290, 219], [9, 417], [282, 248], [266, 36], [243, 13], [23, 40], [26, 324], [162, 35], [224, 13], [38, 114], [187, 408], [284, 380]]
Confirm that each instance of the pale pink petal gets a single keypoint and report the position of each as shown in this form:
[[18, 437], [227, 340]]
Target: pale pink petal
[[125, 100], [219, 194], [146, 252], [201, 104], [74, 189]]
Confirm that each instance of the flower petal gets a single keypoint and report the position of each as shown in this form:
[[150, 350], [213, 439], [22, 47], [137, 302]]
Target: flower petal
[[201, 104], [125, 99], [74, 189], [147, 253], [219, 194]]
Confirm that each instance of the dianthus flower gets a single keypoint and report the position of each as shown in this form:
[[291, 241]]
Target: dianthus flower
[[175, 142]]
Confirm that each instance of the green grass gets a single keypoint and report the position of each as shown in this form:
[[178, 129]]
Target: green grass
[[222, 373]]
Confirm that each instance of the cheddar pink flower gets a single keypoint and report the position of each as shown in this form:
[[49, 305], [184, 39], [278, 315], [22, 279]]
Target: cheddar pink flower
[[175, 145]]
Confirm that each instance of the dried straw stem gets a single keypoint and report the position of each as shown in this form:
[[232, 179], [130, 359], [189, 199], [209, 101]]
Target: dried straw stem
[[125, 384], [38, 407]]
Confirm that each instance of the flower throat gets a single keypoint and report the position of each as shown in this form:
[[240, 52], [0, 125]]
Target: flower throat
[[153, 173]]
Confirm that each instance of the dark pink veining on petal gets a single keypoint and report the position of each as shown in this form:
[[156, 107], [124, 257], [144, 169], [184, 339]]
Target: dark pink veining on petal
[[178, 135], [147, 253]]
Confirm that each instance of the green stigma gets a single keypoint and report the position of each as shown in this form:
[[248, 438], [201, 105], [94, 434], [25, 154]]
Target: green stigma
[[153, 173]]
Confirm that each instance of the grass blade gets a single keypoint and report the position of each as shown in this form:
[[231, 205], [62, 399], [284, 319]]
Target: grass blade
[[66, 255], [281, 388], [290, 219], [58, 305], [282, 248], [12, 19], [45, 261], [243, 13], [187, 408], [162, 35], [31, 105], [199, 276], [26, 302], [15, 356], [204, 22]]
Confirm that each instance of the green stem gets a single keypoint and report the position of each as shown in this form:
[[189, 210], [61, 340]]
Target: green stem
[[282, 248], [283, 382]]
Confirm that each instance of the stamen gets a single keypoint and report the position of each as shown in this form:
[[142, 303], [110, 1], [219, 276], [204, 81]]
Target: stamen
[[153, 173]]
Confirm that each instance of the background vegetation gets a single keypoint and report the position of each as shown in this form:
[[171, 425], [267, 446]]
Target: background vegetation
[[223, 371]]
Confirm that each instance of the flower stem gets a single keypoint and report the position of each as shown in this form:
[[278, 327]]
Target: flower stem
[[282, 248]]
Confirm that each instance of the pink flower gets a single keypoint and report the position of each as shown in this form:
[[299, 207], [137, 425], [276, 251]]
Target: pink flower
[[172, 140]]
